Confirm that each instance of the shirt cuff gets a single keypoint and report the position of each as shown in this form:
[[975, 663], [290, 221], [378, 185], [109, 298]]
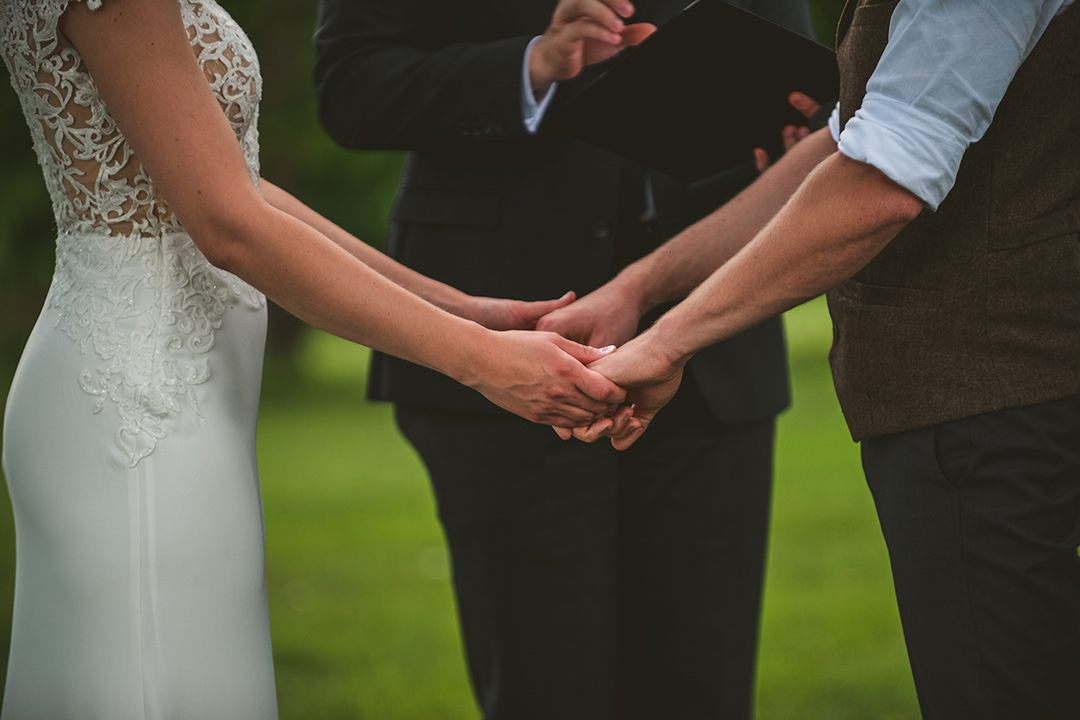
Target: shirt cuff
[[915, 150], [532, 110]]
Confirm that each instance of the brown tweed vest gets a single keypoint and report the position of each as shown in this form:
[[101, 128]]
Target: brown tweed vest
[[975, 307]]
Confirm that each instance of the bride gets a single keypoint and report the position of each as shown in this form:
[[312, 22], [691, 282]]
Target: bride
[[129, 434]]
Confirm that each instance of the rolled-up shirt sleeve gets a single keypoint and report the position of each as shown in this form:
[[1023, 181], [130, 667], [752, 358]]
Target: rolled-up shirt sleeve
[[934, 92]]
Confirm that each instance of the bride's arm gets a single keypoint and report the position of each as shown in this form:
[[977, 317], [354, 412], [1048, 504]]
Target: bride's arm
[[495, 313], [139, 55]]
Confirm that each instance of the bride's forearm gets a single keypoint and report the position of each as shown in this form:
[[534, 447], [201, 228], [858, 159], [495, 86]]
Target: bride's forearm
[[139, 55], [327, 286], [435, 292]]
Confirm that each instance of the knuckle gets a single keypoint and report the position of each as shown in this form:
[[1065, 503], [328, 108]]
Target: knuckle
[[554, 391]]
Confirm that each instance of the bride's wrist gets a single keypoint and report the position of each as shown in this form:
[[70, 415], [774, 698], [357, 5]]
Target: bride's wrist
[[468, 357], [450, 299]]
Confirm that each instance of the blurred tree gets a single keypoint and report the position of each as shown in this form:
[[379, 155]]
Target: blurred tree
[[826, 16]]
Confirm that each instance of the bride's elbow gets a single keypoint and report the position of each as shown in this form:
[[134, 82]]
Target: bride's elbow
[[225, 235], [222, 254]]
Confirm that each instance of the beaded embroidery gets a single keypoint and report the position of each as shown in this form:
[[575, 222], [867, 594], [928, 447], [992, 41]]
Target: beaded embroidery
[[129, 285]]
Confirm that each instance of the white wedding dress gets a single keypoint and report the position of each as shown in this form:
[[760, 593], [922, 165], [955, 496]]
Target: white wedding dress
[[129, 433]]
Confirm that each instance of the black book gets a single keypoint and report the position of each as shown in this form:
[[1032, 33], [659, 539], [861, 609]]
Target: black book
[[700, 93]]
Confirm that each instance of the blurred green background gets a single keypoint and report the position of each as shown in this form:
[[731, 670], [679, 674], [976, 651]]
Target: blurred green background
[[361, 606]]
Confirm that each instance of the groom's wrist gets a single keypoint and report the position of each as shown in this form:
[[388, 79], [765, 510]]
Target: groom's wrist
[[671, 339], [632, 287]]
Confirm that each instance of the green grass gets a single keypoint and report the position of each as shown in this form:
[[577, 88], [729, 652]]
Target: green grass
[[361, 607], [831, 643]]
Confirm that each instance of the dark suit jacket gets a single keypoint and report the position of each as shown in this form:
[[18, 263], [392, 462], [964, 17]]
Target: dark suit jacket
[[487, 208]]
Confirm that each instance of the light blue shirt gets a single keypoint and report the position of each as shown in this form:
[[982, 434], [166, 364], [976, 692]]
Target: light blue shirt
[[532, 109], [934, 92]]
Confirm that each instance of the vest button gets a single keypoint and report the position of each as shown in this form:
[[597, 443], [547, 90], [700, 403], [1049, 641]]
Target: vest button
[[600, 229]]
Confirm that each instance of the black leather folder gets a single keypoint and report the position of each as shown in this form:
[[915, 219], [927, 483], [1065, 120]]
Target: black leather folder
[[700, 93]]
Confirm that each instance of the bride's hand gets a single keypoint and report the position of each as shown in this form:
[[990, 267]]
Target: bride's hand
[[504, 314], [542, 377], [650, 377]]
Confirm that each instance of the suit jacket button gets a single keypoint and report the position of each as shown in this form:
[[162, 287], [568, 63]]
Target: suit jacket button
[[600, 229]]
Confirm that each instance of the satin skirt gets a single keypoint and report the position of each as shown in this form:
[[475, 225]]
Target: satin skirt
[[140, 588]]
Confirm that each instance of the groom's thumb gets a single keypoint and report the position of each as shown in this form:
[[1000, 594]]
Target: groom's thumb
[[532, 311]]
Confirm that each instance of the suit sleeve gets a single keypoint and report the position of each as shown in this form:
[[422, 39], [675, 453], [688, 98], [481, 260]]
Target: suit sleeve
[[388, 75]]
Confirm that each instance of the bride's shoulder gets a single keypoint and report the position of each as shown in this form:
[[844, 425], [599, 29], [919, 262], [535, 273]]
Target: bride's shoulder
[[43, 7], [39, 12], [31, 27]]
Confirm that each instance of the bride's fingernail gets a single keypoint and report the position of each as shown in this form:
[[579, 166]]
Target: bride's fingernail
[[567, 294], [607, 348]]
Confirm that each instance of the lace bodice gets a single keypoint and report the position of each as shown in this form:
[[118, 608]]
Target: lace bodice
[[130, 286]]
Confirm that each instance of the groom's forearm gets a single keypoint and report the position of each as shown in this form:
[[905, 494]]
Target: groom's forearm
[[837, 221], [686, 260]]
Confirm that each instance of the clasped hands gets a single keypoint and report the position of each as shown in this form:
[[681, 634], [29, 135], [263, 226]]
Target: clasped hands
[[646, 368], [569, 374], [555, 362]]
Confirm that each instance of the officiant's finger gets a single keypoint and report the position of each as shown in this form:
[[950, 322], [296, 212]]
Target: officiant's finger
[[761, 160], [604, 12], [804, 103], [634, 34], [793, 135], [589, 29]]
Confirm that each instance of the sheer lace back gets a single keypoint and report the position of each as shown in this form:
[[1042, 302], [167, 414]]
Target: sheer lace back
[[130, 285]]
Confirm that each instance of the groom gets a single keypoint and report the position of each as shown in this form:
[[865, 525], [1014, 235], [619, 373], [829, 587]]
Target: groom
[[589, 585]]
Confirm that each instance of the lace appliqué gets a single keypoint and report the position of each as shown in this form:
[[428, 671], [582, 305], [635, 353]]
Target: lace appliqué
[[130, 285]]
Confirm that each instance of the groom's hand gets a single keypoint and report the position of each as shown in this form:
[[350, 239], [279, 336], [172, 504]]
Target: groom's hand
[[607, 316], [582, 32], [506, 314], [651, 377]]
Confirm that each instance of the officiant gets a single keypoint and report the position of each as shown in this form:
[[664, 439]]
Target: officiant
[[589, 584]]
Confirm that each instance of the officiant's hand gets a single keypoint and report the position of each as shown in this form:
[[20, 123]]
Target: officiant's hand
[[582, 33], [607, 316], [791, 134]]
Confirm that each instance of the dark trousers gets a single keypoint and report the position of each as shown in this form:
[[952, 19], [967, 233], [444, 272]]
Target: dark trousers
[[982, 520], [595, 585]]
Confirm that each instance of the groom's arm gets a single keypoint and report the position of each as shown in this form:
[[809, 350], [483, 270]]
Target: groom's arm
[[841, 216], [610, 314]]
